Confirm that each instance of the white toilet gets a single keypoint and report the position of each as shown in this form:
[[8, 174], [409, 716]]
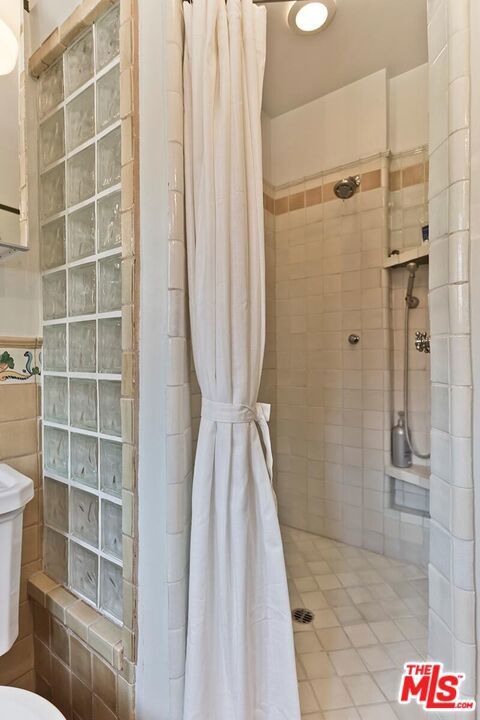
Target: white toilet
[[16, 490]]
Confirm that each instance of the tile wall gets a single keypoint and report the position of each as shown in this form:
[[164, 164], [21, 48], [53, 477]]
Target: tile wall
[[334, 401], [179, 430], [451, 570], [332, 396], [20, 448]]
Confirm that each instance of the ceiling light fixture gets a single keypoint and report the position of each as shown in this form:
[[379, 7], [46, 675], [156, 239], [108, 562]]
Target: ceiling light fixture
[[307, 18], [8, 49]]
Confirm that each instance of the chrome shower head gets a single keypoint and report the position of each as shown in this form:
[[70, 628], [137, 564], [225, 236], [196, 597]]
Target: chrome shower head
[[347, 187]]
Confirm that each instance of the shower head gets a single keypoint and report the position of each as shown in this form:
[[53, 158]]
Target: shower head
[[412, 269], [347, 187]]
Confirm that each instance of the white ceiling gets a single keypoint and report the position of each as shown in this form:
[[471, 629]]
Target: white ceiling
[[365, 36]]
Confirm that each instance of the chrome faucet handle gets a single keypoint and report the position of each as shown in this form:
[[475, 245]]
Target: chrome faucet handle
[[353, 339]]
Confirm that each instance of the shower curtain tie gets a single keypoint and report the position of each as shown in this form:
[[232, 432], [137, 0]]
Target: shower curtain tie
[[238, 413]]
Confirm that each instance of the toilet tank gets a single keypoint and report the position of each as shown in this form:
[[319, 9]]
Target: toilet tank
[[16, 490]]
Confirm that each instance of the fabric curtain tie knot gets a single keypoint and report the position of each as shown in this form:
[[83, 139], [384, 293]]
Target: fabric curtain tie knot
[[235, 413]]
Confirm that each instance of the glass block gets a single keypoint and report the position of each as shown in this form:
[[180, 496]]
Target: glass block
[[84, 516], [111, 588], [81, 233], [55, 504], [84, 571], [81, 175], [54, 296], [82, 290], [55, 348], [111, 467], [110, 284], [109, 222], [52, 139], [55, 555], [53, 244], [55, 399], [84, 459], [55, 451], [51, 88], [52, 191], [108, 98], [112, 528], [107, 40], [79, 63], [83, 404], [110, 345], [109, 160], [82, 346], [80, 119], [109, 392]]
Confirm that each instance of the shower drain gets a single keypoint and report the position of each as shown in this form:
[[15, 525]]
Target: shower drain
[[302, 616]]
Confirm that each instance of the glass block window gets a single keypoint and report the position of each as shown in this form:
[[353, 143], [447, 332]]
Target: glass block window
[[79, 165]]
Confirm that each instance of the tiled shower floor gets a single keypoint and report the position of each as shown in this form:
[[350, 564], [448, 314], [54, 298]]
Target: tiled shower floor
[[370, 617]]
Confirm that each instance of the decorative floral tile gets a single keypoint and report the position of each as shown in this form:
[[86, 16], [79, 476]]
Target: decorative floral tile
[[19, 365]]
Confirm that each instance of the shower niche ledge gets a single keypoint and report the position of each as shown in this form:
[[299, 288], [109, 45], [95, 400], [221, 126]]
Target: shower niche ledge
[[415, 254], [418, 475]]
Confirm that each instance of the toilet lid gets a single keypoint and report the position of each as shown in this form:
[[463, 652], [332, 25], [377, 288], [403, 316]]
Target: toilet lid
[[20, 704]]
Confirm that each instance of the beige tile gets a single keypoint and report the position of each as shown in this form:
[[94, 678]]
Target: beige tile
[[331, 693], [18, 402], [104, 683], [344, 714], [18, 437], [103, 635], [347, 662], [307, 642], [333, 638], [325, 619], [386, 631], [43, 663], [314, 600], [61, 687], [382, 711], [360, 635], [59, 601], [81, 661], [363, 689], [308, 702], [17, 661], [376, 658], [101, 711], [125, 699], [82, 699], [59, 641], [317, 665], [79, 617]]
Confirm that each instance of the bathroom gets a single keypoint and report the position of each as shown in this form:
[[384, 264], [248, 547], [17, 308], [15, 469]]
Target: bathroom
[[147, 591]]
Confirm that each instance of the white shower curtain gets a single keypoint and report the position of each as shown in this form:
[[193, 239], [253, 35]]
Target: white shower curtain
[[240, 654]]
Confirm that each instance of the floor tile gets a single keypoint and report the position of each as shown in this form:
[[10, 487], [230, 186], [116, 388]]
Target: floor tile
[[376, 658], [386, 631], [363, 690], [331, 694], [317, 665], [344, 714], [347, 662], [412, 628], [360, 635], [325, 619], [305, 584], [389, 682], [400, 652], [307, 643], [308, 702], [347, 615], [333, 639], [314, 600], [328, 582], [382, 711], [359, 599]]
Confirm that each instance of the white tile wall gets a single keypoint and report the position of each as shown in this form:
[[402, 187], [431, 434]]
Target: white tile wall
[[452, 598], [179, 441]]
